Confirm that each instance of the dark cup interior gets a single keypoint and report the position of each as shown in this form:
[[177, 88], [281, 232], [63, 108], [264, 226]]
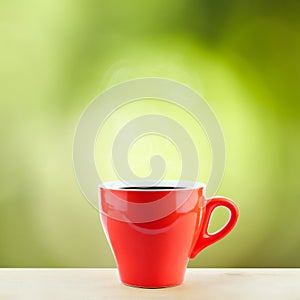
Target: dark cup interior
[[151, 188]]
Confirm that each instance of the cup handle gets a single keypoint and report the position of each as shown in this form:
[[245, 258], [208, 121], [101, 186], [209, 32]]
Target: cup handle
[[204, 238]]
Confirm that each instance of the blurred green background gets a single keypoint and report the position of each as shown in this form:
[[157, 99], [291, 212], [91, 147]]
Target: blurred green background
[[56, 56]]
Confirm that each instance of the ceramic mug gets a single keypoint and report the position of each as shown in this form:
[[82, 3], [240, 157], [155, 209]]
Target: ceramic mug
[[153, 231]]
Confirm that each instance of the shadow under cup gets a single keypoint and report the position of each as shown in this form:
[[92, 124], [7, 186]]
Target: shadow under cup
[[154, 230]]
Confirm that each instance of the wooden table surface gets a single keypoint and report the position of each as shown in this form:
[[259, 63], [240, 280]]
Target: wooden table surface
[[89, 284]]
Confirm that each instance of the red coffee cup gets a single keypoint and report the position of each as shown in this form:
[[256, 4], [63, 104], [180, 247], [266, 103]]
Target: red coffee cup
[[154, 230]]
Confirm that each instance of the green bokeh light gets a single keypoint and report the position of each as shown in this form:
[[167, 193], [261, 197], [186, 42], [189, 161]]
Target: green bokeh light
[[56, 56]]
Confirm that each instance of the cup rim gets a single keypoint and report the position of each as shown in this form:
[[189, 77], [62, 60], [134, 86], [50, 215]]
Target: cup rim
[[119, 185]]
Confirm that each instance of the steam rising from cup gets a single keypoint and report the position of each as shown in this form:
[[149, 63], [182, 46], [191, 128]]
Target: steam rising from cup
[[167, 90]]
